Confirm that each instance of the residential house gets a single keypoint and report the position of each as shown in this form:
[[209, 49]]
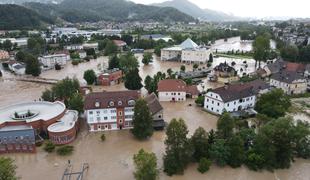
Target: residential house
[[16, 67], [110, 77], [82, 54], [110, 110], [224, 73], [120, 44], [175, 90], [74, 47], [235, 97], [156, 110], [188, 52], [90, 46], [49, 61], [291, 82]]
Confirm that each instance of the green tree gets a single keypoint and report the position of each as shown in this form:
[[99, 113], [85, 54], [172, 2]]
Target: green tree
[[110, 48], [128, 62], [21, 56], [142, 120], [7, 45], [225, 126], [204, 165], [200, 100], [148, 83], [210, 58], [200, 144], [48, 95], [183, 68], [195, 66], [261, 49], [169, 72], [49, 147], [32, 66], [254, 161], [76, 102], [178, 148], [90, 76], [114, 61], [7, 169], [290, 53], [273, 104], [219, 152], [146, 166], [236, 151], [133, 80], [66, 88], [147, 58]]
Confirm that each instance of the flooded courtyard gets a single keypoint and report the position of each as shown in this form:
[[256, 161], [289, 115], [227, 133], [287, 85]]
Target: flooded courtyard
[[112, 159]]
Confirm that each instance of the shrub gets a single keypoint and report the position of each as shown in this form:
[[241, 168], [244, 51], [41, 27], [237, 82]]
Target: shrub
[[65, 150], [49, 147], [102, 137], [204, 165], [75, 62]]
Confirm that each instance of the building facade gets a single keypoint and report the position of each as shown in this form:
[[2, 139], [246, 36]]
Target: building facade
[[50, 61], [110, 77], [290, 82], [110, 110]]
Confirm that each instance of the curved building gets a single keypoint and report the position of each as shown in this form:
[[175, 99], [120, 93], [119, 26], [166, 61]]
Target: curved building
[[51, 118]]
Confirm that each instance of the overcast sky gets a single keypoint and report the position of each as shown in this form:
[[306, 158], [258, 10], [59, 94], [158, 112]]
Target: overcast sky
[[253, 8]]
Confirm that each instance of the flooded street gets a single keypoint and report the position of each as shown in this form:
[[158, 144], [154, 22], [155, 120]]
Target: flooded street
[[112, 159]]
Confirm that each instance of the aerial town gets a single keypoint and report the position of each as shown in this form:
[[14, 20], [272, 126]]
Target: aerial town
[[151, 96]]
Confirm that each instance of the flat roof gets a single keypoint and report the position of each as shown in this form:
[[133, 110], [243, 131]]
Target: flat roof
[[15, 128], [44, 111], [66, 123]]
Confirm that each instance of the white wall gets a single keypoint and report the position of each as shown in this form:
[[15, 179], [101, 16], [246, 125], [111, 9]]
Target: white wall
[[169, 96], [196, 56], [215, 104], [168, 54]]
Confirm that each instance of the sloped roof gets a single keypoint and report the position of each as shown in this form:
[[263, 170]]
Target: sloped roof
[[153, 103], [188, 44], [287, 76], [234, 92], [168, 85]]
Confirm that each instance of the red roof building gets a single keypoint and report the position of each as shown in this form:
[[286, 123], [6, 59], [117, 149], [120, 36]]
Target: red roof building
[[110, 77]]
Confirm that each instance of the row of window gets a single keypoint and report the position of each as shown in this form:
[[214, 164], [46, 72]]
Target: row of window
[[173, 94]]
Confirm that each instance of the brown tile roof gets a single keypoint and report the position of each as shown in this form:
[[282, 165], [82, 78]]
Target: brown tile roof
[[295, 67], [172, 85], [193, 90], [153, 103], [104, 98]]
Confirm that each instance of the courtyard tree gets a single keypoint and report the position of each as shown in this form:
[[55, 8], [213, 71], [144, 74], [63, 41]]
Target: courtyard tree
[[183, 68], [273, 104], [261, 49], [7, 169], [146, 166], [110, 48], [90, 76], [147, 58], [200, 144], [142, 120], [225, 126], [32, 66], [76, 102], [133, 80], [114, 61], [178, 148]]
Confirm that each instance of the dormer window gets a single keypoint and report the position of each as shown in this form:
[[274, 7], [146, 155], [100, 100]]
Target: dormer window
[[111, 103], [131, 102], [120, 103], [97, 104]]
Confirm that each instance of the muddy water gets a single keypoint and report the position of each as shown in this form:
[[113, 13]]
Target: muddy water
[[112, 159]]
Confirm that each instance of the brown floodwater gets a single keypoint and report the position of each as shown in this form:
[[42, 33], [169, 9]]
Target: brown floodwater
[[112, 159]]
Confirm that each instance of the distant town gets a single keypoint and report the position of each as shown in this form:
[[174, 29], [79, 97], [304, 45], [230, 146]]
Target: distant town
[[152, 99]]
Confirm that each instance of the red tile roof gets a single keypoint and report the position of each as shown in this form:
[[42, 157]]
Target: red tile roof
[[295, 66], [168, 85], [104, 99]]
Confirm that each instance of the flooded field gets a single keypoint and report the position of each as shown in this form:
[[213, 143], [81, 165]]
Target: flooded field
[[235, 44]]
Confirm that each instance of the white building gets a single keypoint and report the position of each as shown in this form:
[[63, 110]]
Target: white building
[[188, 52], [291, 82], [50, 61], [19, 41], [82, 54], [175, 90], [16, 67], [110, 110], [74, 47], [235, 97], [230, 98]]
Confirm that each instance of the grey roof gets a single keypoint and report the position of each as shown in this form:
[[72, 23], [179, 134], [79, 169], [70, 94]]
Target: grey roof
[[258, 85], [153, 103], [188, 44], [15, 128], [287, 76], [276, 66], [234, 92]]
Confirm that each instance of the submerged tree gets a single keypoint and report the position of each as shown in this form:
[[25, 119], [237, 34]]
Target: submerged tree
[[142, 120], [146, 166]]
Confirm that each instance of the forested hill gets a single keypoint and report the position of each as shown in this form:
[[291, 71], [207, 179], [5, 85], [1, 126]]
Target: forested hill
[[117, 10], [18, 17]]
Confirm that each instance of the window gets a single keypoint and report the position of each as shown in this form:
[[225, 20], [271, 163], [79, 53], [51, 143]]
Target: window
[[98, 112], [212, 102], [90, 112], [207, 99], [179, 93], [113, 111], [218, 104], [105, 118], [113, 117], [227, 104], [131, 102], [120, 103], [120, 113], [111, 103], [98, 118], [120, 121]]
